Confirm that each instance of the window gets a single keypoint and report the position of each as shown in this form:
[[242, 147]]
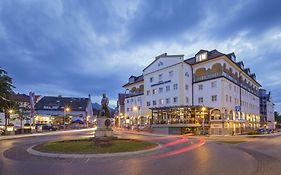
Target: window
[[200, 100], [186, 74], [175, 99], [148, 103], [186, 87], [128, 101], [230, 86], [161, 102], [154, 102], [226, 97], [151, 79], [230, 99], [132, 100], [160, 90], [201, 57], [153, 91], [171, 73], [128, 109], [167, 100], [147, 92], [160, 63], [213, 84], [214, 98], [186, 99], [175, 86], [160, 77], [167, 88], [200, 87], [139, 99]]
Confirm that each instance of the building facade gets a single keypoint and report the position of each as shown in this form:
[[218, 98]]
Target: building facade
[[266, 110], [59, 110], [210, 92]]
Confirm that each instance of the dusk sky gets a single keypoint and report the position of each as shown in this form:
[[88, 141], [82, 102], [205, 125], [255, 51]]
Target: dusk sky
[[77, 47]]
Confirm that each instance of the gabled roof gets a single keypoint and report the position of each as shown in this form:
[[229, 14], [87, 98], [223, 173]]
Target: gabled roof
[[165, 55], [201, 51], [22, 97], [136, 80], [75, 104], [247, 70], [240, 63], [210, 55]]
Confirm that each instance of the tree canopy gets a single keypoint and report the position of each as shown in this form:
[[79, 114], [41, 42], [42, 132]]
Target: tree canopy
[[6, 89]]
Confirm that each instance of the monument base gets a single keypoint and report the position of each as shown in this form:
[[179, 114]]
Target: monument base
[[103, 133], [103, 128]]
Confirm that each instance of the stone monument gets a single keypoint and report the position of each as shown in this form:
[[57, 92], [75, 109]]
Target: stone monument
[[104, 129]]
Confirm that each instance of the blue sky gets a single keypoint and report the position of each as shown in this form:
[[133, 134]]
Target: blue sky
[[75, 47]]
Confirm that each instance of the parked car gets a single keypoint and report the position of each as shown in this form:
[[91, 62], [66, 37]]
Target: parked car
[[47, 127]]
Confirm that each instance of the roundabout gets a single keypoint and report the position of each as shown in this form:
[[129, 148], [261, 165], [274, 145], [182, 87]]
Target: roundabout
[[90, 148]]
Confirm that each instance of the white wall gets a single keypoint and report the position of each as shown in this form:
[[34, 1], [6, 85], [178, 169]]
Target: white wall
[[172, 70], [135, 101]]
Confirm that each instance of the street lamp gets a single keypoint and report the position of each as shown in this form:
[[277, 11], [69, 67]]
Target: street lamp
[[203, 121], [11, 111], [66, 109]]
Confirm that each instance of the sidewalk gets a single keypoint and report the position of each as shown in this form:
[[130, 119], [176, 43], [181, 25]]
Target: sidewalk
[[43, 134], [238, 137]]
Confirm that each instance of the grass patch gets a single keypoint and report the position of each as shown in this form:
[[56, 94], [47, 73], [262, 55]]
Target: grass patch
[[88, 146], [231, 141]]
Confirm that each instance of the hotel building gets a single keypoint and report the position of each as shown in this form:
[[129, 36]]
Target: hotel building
[[210, 92]]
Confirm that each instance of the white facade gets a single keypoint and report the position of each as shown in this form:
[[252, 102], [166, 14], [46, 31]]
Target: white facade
[[164, 82], [210, 79]]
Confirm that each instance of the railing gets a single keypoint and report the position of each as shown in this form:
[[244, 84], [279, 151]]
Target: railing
[[219, 74], [207, 76]]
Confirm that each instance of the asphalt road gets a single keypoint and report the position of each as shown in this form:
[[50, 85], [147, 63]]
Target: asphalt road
[[179, 155]]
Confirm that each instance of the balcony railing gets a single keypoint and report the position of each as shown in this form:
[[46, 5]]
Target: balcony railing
[[219, 74]]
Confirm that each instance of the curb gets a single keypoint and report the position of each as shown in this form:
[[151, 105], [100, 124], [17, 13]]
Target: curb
[[30, 150], [44, 134]]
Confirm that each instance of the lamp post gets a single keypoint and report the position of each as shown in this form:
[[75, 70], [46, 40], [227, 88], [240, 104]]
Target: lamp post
[[7, 117], [67, 109], [203, 121]]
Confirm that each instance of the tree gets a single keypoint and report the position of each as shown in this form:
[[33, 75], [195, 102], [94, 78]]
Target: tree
[[277, 117], [6, 90]]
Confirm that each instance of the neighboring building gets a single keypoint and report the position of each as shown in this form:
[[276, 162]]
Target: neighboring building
[[134, 101], [266, 110], [119, 117], [21, 115], [178, 95], [52, 110]]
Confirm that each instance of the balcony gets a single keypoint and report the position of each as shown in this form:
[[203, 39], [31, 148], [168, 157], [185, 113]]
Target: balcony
[[209, 76]]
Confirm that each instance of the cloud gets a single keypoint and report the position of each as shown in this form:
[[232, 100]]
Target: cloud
[[75, 48]]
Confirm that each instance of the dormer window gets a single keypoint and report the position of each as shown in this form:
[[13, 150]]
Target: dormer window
[[201, 57], [131, 79]]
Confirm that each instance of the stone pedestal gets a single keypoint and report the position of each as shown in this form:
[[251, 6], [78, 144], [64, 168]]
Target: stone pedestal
[[103, 128]]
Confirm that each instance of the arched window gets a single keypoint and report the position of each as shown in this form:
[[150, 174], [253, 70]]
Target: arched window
[[216, 114]]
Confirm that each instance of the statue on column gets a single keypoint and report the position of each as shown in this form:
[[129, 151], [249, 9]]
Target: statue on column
[[104, 130], [104, 111]]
